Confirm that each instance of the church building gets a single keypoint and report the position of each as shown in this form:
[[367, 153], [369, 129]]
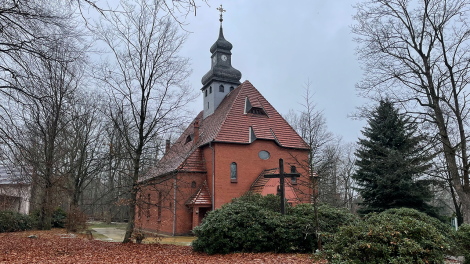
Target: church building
[[224, 153]]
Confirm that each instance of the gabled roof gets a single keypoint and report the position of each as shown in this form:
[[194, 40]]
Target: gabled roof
[[229, 123], [201, 197]]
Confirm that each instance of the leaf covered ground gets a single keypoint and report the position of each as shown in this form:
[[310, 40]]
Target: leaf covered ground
[[50, 247]]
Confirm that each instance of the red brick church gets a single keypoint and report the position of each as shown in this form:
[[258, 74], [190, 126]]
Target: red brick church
[[225, 152]]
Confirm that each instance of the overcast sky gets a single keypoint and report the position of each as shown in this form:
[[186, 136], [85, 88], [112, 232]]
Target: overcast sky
[[278, 45]]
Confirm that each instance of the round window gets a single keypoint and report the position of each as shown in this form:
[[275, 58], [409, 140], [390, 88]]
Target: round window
[[263, 154]]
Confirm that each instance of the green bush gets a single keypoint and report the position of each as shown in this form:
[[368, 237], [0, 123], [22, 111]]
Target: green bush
[[330, 219], [58, 218], [13, 221], [252, 223], [393, 236], [462, 239]]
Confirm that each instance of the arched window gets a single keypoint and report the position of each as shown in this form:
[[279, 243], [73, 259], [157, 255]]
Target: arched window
[[233, 172], [221, 88], [231, 88], [205, 92], [193, 184], [210, 89]]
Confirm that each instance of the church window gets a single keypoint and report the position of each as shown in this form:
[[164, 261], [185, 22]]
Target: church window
[[264, 155], [210, 89], [233, 172], [205, 91], [148, 206], [231, 88], [160, 200], [293, 180], [221, 88], [193, 184], [207, 105]]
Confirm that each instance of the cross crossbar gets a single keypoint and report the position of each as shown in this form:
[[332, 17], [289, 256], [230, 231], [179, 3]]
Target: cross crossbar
[[281, 176]]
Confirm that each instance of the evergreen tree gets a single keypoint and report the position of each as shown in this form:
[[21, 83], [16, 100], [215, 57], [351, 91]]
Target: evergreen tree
[[391, 159]]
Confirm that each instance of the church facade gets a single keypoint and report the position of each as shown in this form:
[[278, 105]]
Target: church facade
[[225, 152]]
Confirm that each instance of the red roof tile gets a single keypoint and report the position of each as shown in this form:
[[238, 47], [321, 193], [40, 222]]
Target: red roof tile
[[230, 124], [201, 197]]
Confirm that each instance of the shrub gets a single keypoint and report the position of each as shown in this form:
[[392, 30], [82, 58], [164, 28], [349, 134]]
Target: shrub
[[13, 221], [58, 218], [269, 202], [252, 223], [76, 220], [330, 219], [244, 227], [393, 236], [462, 239]]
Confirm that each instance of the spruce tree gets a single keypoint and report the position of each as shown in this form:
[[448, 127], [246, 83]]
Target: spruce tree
[[391, 162]]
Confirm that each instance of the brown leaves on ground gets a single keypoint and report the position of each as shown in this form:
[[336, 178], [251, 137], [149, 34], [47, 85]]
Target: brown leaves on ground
[[49, 247]]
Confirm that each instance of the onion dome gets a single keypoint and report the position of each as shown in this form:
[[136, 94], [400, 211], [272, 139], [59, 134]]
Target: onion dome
[[221, 44]]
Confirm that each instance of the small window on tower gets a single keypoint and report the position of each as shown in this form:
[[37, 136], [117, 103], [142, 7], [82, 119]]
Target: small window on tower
[[205, 91], [231, 88], [210, 89], [207, 105], [221, 88]]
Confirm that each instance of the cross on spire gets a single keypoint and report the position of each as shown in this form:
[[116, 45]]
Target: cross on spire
[[221, 10]]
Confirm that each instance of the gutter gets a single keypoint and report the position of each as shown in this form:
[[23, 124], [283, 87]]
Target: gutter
[[174, 209], [213, 176]]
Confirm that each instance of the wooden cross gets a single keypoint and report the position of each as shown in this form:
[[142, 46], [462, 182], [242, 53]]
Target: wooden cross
[[221, 10], [281, 176]]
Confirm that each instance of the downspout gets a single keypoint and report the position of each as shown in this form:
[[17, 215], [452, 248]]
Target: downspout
[[213, 176], [174, 210]]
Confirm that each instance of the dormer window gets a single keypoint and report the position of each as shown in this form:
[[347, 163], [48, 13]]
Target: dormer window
[[221, 88], [231, 88], [252, 135], [189, 138], [256, 111]]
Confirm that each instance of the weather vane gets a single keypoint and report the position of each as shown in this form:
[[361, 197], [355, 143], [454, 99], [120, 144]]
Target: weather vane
[[221, 10]]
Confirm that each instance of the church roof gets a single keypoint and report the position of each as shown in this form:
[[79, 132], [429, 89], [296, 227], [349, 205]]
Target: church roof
[[230, 123], [201, 197]]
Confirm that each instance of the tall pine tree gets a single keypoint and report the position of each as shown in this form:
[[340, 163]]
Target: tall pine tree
[[391, 161]]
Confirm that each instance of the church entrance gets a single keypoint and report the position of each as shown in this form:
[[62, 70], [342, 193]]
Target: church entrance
[[202, 213]]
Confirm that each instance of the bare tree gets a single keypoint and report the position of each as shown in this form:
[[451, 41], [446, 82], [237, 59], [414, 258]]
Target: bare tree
[[146, 80], [418, 53]]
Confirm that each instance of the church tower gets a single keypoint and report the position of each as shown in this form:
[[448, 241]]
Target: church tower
[[222, 78]]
